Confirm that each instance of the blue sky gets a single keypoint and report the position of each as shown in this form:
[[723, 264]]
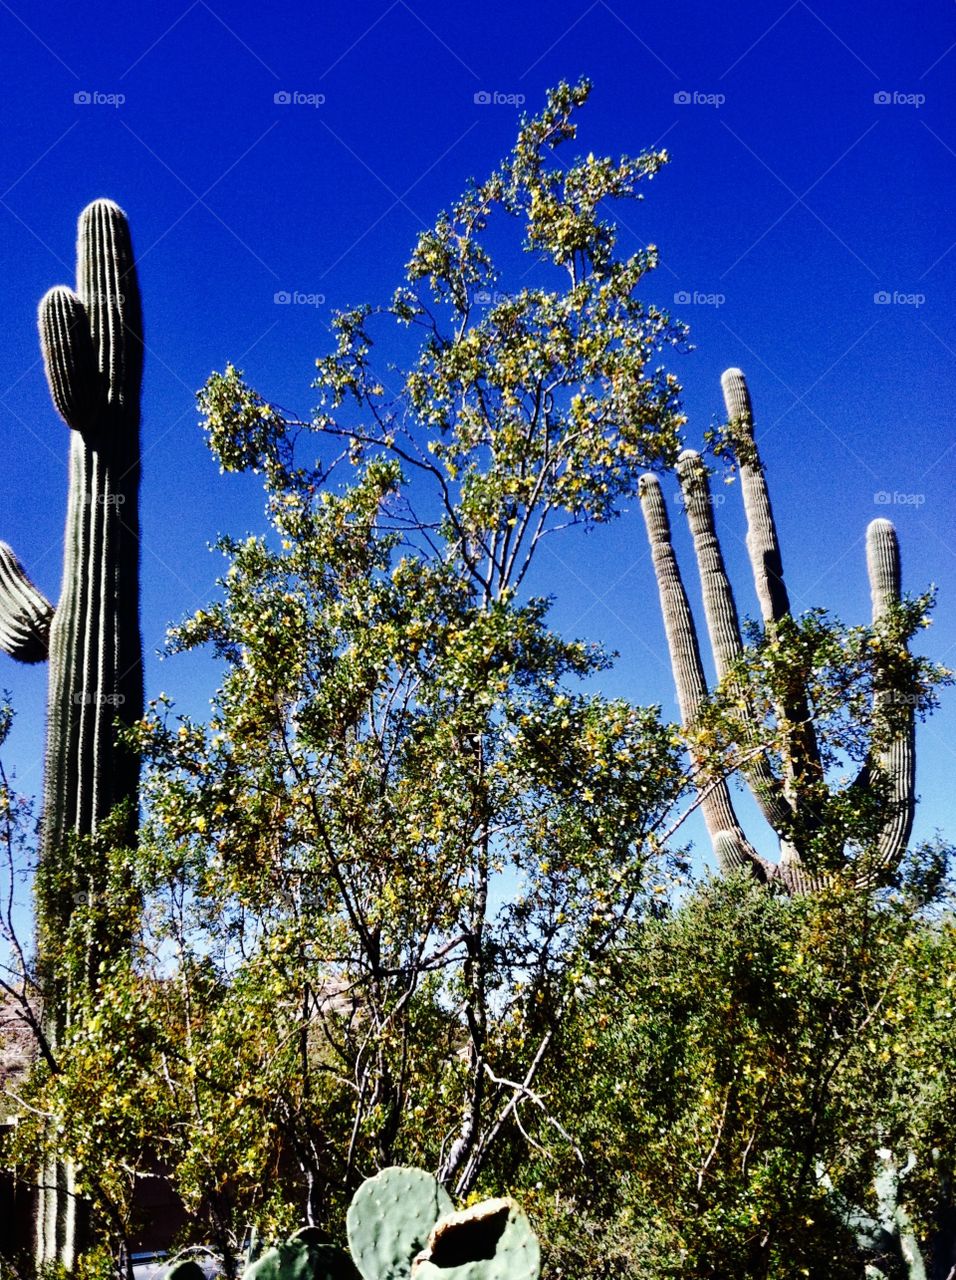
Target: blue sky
[[806, 224]]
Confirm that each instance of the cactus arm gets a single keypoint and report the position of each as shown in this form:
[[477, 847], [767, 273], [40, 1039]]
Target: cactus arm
[[25, 612], [719, 606], [106, 276], [898, 762], [763, 545], [730, 845], [723, 626], [678, 621], [766, 562], [909, 1248], [67, 347]]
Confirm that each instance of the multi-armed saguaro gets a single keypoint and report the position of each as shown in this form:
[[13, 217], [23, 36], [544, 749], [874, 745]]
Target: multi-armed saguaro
[[785, 800], [93, 352]]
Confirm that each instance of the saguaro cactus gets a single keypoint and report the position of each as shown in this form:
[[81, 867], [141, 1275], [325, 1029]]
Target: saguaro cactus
[[93, 353], [783, 800]]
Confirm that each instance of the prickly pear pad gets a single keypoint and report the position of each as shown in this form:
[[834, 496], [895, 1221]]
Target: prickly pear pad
[[390, 1218], [490, 1241]]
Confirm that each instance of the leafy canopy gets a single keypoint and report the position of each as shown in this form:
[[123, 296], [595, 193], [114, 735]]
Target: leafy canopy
[[406, 840]]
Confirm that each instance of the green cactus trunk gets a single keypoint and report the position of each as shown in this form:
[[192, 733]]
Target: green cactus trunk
[[93, 353], [92, 348]]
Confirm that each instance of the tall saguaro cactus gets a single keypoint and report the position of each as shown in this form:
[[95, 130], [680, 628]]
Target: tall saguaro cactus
[[781, 798], [93, 353]]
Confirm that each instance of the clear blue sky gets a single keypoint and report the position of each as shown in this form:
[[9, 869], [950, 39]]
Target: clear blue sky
[[794, 196]]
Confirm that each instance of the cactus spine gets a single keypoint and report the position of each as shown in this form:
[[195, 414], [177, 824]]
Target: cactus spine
[[92, 348], [777, 797]]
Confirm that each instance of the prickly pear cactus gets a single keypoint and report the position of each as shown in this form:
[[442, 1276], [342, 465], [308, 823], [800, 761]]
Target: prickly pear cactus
[[490, 1241], [310, 1235], [390, 1219], [401, 1226]]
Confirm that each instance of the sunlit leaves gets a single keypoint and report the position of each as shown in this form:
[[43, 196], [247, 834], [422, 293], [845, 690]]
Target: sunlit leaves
[[860, 685], [749, 1055], [523, 409], [403, 831]]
